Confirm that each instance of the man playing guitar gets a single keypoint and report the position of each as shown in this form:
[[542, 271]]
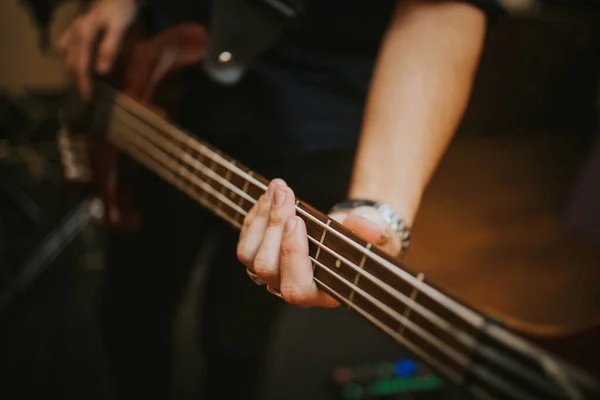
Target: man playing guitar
[[358, 100]]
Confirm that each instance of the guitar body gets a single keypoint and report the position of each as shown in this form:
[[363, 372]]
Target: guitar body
[[91, 164]]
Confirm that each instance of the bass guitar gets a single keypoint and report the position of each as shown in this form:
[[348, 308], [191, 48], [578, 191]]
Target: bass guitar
[[487, 356]]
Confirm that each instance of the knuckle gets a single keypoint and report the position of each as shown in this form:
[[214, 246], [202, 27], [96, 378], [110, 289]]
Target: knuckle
[[264, 205], [276, 217], [287, 250], [279, 182], [247, 222], [244, 254], [249, 218], [265, 268], [293, 294], [288, 190], [84, 29]]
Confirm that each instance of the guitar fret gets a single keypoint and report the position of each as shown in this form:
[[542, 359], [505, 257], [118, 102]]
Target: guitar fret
[[188, 151], [413, 297], [245, 189], [207, 179], [225, 191], [198, 159], [255, 190], [247, 183], [240, 201], [227, 188], [213, 168], [200, 192], [183, 169], [228, 179], [318, 252], [361, 265]]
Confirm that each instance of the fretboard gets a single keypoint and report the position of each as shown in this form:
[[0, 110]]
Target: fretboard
[[460, 344]]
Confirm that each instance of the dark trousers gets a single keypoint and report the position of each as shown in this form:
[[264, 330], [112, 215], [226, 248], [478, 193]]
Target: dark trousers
[[147, 272]]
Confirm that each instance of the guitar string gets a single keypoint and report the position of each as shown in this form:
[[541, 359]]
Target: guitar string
[[542, 358], [475, 388], [450, 374], [140, 112], [449, 352], [462, 337], [515, 340], [502, 336], [491, 353]]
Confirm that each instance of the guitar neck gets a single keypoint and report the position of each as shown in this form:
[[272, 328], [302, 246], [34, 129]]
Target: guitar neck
[[453, 339]]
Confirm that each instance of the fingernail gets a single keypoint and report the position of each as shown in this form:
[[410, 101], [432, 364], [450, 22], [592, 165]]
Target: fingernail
[[290, 224], [279, 197], [368, 221], [371, 217]]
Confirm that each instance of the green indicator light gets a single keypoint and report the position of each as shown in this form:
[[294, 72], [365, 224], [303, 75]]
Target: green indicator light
[[391, 386], [353, 391], [385, 370]]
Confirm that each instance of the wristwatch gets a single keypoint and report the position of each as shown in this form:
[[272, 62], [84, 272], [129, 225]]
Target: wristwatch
[[391, 216]]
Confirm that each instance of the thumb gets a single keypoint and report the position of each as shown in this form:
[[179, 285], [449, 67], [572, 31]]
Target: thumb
[[369, 224]]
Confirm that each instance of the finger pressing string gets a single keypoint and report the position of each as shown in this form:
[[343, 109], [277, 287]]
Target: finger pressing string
[[266, 263], [297, 284]]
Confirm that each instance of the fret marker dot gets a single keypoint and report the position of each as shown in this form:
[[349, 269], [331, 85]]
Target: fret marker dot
[[338, 263]]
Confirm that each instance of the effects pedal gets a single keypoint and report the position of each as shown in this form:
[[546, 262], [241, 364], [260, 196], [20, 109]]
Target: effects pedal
[[402, 379]]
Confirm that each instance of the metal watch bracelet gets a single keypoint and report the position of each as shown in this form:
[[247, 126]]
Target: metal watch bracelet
[[393, 218]]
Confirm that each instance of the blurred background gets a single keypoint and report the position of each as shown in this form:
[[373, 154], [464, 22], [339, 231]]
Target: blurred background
[[511, 221]]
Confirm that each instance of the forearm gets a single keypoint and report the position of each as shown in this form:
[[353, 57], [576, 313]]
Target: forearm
[[419, 91]]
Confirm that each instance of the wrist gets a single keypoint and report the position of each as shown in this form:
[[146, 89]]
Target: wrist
[[387, 181], [396, 223], [402, 202]]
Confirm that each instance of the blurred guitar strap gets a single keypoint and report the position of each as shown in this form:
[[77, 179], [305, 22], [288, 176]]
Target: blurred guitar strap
[[242, 29]]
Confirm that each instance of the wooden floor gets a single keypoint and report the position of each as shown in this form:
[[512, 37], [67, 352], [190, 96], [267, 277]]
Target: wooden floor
[[490, 230]]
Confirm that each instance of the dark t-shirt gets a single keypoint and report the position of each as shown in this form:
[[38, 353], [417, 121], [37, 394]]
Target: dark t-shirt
[[305, 93]]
